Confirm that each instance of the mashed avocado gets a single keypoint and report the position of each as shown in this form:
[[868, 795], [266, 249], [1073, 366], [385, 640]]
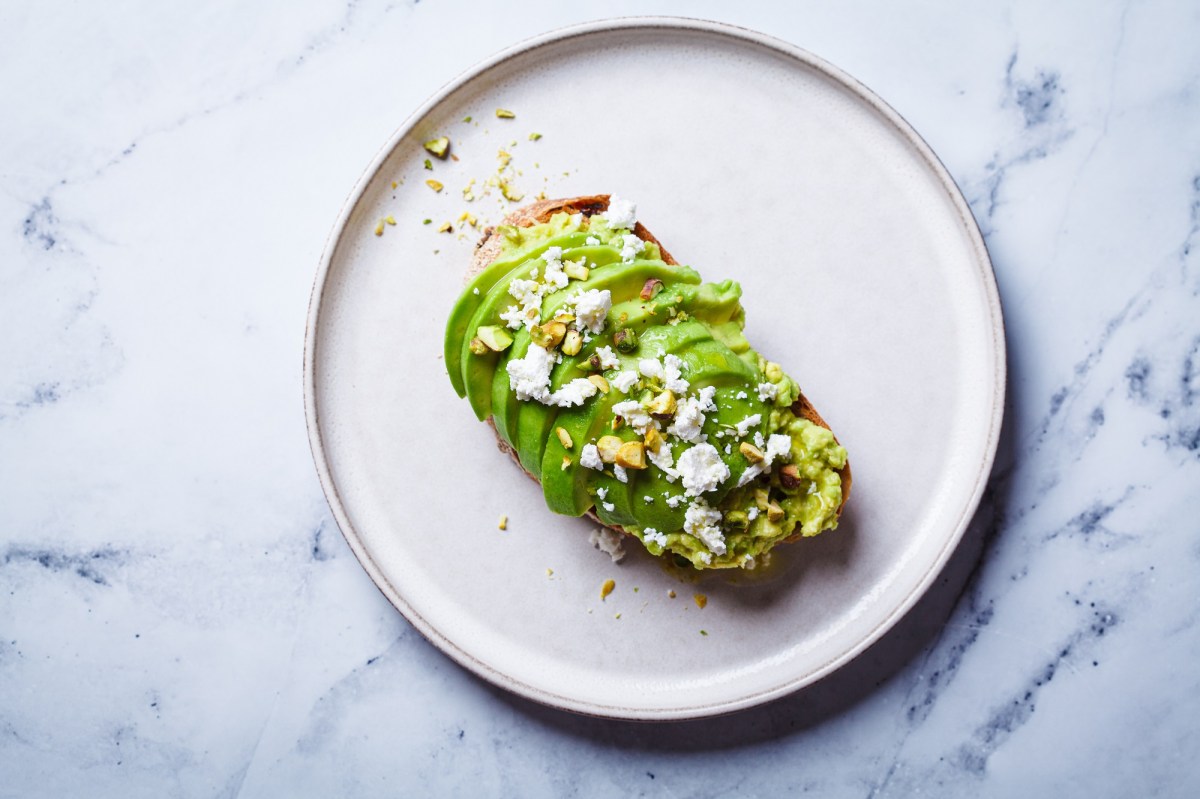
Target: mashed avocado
[[627, 386]]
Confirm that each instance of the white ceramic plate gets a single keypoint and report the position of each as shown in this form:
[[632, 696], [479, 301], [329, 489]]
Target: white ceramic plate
[[864, 274]]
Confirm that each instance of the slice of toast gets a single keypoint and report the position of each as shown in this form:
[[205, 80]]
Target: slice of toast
[[489, 247]]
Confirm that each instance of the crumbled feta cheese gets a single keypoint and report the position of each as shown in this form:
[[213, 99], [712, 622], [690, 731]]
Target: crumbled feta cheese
[[555, 277], [572, 394], [576, 219], [525, 290], [701, 521], [663, 460], [513, 316], [649, 500], [608, 506], [759, 441], [635, 415], [529, 376], [675, 500], [767, 391], [702, 469], [591, 307], [752, 514], [624, 381], [729, 449], [778, 447], [651, 368], [743, 427], [592, 241], [705, 557], [590, 457], [741, 395], [553, 254], [631, 245], [475, 291], [602, 492], [621, 214], [752, 471], [608, 358], [619, 472], [608, 542], [689, 415], [652, 536], [673, 375]]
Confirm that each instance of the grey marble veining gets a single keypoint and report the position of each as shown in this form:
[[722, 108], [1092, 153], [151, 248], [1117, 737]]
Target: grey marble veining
[[179, 615]]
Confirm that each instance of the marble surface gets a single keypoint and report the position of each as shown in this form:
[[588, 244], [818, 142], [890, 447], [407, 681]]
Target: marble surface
[[179, 615]]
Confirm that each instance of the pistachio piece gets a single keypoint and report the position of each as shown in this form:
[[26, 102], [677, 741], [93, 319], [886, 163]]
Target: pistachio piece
[[774, 512], [572, 343], [564, 437], [625, 339], [632, 455], [737, 520], [436, 185], [439, 146], [565, 318], [477, 346], [761, 498], [751, 452], [504, 113], [599, 382], [566, 464], [662, 405], [503, 523], [616, 423], [789, 476], [534, 136], [607, 587], [651, 288], [592, 364], [495, 337], [654, 439], [608, 447], [576, 269]]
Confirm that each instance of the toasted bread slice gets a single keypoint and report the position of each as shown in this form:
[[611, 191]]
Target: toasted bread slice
[[489, 247]]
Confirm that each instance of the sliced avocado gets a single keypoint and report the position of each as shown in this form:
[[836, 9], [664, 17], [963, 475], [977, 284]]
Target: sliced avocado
[[469, 302], [503, 411], [617, 494], [566, 490]]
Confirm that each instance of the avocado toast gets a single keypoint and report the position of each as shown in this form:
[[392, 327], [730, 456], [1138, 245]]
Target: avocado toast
[[623, 384]]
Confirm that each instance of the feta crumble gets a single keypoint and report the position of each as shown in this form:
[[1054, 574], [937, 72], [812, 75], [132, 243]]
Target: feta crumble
[[689, 415], [631, 245], [752, 514], [475, 291], [572, 394], [608, 358], [624, 381], [743, 427], [591, 308], [608, 542], [741, 395], [767, 392], [635, 415], [675, 500], [649, 500], [752, 471], [590, 457], [702, 469], [608, 506], [620, 474], [778, 447], [672, 373], [529, 376], [651, 368], [592, 241], [621, 214], [602, 492], [701, 521], [652, 536], [663, 460]]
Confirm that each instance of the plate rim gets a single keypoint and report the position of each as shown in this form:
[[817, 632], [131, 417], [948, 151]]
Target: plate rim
[[743, 36]]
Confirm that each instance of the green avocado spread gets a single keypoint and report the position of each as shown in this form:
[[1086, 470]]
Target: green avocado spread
[[626, 385]]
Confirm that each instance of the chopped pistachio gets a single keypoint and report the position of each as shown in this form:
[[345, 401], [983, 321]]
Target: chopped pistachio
[[599, 382], [466, 119], [504, 158], [576, 269], [662, 405], [564, 437], [391, 220], [607, 588], [701, 600], [632, 455], [379, 228], [566, 463], [439, 146], [503, 522], [616, 423], [436, 185], [445, 228], [789, 476], [653, 439], [510, 194], [426, 221], [761, 498], [608, 447], [534, 136], [394, 184], [547, 335], [751, 452], [671, 594], [495, 337], [468, 217], [737, 520], [774, 512], [565, 318], [704, 633], [428, 164], [572, 343], [625, 339], [477, 346], [504, 113], [651, 288]]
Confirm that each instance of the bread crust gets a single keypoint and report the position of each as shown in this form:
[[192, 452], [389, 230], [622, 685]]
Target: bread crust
[[488, 249]]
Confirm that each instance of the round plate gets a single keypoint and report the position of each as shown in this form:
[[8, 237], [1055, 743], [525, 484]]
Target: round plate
[[863, 274]]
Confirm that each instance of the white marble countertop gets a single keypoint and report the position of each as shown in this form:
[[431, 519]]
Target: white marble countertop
[[179, 615]]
